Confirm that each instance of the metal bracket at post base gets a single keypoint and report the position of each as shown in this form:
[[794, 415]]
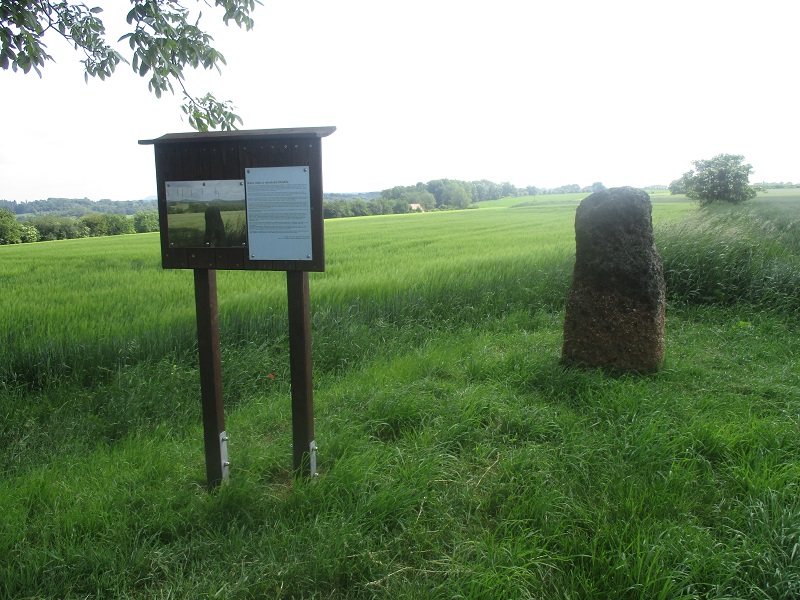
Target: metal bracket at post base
[[312, 458], [223, 455]]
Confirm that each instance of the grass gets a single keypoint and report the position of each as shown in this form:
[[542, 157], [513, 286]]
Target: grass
[[468, 261], [458, 458], [657, 196], [85, 323], [728, 254]]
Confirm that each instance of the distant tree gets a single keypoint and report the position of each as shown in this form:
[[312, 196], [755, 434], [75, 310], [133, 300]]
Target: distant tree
[[359, 208], [119, 224], [9, 205], [400, 207], [58, 228], [164, 39], [381, 206], [72, 207], [10, 229], [395, 193], [454, 195], [96, 223], [782, 185], [29, 234], [723, 178], [436, 187], [571, 188], [487, 190], [508, 189], [422, 197], [680, 186], [145, 221], [598, 186], [336, 209], [471, 188]]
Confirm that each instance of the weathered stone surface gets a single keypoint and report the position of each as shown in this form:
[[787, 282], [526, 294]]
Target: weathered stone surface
[[616, 304]]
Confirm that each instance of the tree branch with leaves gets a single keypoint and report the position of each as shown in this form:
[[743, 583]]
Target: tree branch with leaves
[[163, 43]]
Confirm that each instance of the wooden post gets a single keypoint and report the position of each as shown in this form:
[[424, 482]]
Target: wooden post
[[214, 439], [303, 445]]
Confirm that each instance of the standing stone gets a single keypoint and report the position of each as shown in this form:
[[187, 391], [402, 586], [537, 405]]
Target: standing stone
[[616, 305]]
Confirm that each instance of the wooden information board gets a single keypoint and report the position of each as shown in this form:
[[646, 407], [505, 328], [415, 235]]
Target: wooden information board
[[249, 200]]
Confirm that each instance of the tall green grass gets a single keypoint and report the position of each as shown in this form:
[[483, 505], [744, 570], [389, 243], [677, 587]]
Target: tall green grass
[[732, 254], [75, 309], [472, 466], [82, 308]]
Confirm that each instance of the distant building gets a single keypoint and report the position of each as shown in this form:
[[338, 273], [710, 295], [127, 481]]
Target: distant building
[[416, 208]]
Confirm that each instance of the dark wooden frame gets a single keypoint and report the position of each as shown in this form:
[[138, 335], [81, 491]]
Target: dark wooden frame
[[226, 155]]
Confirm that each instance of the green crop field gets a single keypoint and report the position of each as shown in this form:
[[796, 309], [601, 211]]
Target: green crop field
[[458, 458], [657, 196]]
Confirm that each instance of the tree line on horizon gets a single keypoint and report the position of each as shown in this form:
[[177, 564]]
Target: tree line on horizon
[[50, 227], [69, 218], [76, 207], [439, 194]]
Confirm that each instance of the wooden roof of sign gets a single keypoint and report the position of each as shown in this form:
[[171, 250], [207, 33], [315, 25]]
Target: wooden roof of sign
[[208, 136]]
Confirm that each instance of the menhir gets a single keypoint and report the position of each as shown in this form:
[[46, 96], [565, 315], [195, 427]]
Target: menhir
[[616, 305]]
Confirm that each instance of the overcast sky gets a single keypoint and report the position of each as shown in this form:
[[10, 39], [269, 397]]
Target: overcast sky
[[542, 93]]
